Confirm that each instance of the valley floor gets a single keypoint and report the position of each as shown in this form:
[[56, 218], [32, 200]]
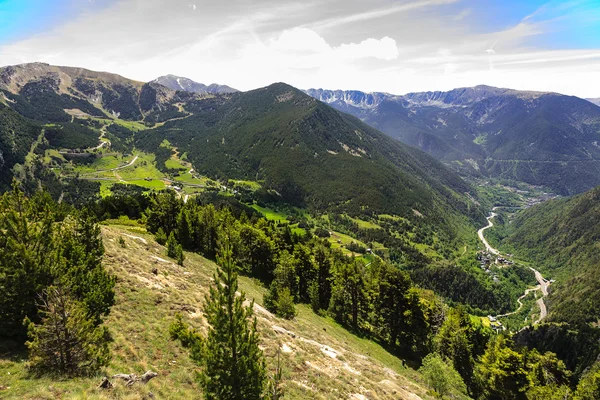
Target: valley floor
[[543, 284]]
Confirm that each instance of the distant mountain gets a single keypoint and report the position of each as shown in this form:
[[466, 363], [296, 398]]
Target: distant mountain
[[188, 85], [48, 93], [595, 101], [536, 137]]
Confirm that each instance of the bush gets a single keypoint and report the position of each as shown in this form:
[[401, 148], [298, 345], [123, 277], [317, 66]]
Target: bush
[[161, 237], [441, 377], [280, 301], [321, 232]]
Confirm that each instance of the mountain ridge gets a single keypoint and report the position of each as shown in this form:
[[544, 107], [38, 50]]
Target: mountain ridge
[[490, 132], [595, 101], [180, 83]]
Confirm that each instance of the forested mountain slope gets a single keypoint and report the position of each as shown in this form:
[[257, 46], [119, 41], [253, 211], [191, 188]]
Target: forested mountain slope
[[536, 137], [563, 237], [307, 152], [311, 155], [16, 137]]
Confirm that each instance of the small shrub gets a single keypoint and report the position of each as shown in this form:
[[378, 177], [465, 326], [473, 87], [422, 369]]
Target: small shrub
[[161, 237], [280, 301]]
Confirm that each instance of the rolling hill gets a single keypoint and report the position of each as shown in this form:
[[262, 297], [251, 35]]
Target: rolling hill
[[535, 137]]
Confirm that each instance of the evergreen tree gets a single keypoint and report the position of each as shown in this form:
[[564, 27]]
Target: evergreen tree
[[306, 271], [179, 254], [27, 249], [457, 341], [160, 236], [323, 263], [80, 267], [347, 293], [234, 366], [589, 385], [392, 304], [67, 341], [502, 371], [163, 211], [172, 246]]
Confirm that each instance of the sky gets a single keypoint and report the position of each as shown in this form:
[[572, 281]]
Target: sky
[[394, 46]]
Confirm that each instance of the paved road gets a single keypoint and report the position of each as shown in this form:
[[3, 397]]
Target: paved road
[[482, 238], [543, 283], [123, 166]]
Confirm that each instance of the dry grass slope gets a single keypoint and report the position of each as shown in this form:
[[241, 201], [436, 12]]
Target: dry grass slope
[[321, 360]]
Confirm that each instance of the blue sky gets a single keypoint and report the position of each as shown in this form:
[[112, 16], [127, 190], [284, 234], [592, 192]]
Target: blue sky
[[374, 45], [22, 18]]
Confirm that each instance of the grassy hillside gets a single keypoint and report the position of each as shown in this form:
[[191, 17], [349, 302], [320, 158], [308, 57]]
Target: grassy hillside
[[320, 359], [561, 236]]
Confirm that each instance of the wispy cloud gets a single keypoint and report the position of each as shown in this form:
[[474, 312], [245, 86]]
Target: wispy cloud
[[378, 13]]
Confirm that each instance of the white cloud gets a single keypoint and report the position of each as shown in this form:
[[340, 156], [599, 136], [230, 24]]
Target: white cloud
[[422, 46], [383, 49]]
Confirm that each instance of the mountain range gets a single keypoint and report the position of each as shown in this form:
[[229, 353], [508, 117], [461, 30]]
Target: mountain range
[[317, 161], [536, 137], [305, 151], [180, 83]]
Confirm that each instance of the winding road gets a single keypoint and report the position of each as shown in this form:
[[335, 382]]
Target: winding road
[[543, 284], [482, 238]]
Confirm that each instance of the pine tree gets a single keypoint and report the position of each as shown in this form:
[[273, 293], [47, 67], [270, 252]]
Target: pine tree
[[234, 366], [172, 246], [67, 341]]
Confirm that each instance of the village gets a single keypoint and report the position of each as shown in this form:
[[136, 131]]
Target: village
[[487, 260]]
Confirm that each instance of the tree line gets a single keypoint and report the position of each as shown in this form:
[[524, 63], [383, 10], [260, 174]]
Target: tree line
[[55, 291]]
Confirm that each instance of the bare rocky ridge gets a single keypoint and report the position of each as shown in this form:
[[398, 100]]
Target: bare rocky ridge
[[188, 85], [111, 94]]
